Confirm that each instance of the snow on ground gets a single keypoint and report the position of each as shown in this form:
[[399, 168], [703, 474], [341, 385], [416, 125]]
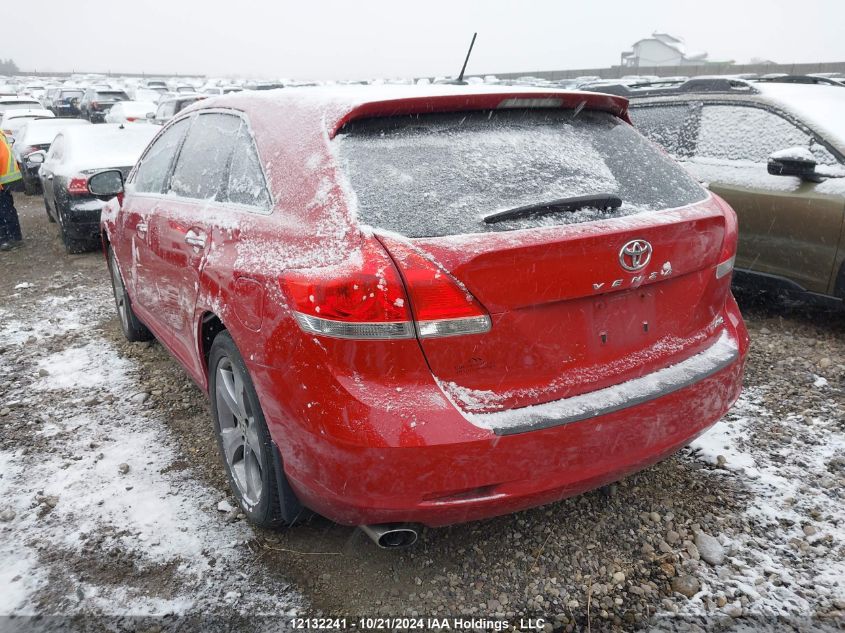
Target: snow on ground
[[91, 502], [792, 558]]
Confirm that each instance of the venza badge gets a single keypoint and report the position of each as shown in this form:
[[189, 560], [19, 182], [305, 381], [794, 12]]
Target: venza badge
[[635, 255]]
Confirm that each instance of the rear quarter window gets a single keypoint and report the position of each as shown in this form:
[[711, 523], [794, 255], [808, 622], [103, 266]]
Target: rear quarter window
[[441, 174]]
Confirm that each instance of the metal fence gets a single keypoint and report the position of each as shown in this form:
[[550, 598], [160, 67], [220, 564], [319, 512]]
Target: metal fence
[[617, 72], [614, 72]]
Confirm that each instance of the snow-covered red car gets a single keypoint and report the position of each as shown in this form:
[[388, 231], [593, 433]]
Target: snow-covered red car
[[428, 304]]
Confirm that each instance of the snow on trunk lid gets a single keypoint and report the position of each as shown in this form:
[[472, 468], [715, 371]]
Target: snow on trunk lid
[[566, 316]]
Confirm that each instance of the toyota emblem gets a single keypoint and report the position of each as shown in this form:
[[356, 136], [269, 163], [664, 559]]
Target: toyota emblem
[[635, 255]]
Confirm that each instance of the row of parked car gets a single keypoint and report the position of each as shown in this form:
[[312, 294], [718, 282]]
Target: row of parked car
[[772, 146], [377, 280]]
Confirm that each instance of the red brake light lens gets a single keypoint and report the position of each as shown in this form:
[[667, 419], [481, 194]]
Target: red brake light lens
[[441, 305], [368, 300], [729, 242], [78, 186], [361, 300]]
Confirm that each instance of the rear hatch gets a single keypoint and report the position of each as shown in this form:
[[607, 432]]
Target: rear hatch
[[578, 299]]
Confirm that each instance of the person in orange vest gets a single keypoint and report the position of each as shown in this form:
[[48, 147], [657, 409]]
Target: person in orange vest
[[10, 227]]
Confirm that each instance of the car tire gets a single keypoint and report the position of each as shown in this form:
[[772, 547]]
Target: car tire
[[30, 187], [252, 462], [72, 245], [50, 217], [133, 329]]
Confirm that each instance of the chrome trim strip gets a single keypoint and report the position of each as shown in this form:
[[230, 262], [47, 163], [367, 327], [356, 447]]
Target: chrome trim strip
[[721, 354]]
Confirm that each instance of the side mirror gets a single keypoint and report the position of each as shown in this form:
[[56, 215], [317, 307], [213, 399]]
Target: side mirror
[[795, 161], [106, 184], [36, 158], [151, 116]]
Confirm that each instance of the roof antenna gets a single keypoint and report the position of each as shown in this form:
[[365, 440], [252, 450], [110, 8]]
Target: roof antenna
[[460, 79]]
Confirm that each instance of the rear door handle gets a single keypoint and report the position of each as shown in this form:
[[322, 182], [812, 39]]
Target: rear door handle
[[195, 238]]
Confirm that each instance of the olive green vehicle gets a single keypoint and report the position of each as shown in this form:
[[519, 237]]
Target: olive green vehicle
[[775, 150]]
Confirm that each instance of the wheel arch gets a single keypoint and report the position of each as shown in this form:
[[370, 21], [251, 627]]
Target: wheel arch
[[290, 508], [105, 241], [210, 325]]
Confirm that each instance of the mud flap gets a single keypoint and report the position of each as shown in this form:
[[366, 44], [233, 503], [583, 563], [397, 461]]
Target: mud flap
[[290, 507]]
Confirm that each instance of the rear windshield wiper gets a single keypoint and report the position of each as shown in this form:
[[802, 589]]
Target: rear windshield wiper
[[602, 201]]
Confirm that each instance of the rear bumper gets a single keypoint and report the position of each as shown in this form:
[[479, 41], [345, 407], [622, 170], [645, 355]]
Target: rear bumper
[[719, 355], [81, 218], [431, 478]]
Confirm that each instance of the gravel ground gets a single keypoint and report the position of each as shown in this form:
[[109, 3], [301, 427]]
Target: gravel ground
[[113, 500]]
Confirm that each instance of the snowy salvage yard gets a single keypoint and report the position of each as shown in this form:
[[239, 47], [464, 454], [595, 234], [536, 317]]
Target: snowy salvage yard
[[96, 519], [113, 501]]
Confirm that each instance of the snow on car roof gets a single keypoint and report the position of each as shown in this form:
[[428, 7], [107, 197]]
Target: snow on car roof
[[820, 107], [338, 104], [105, 145], [17, 99], [40, 131], [293, 127], [30, 113], [136, 108]]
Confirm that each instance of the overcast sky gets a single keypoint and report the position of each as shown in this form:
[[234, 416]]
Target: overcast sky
[[380, 38]]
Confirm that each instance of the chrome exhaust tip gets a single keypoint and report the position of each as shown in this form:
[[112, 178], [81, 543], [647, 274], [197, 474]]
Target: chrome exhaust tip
[[391, 535]]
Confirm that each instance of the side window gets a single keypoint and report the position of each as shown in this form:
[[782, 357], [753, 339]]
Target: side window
[[166, 110], [152, 172], [823, 155], [246, 181], [667, 125], [745, 133], [57, 149], [201, 168]]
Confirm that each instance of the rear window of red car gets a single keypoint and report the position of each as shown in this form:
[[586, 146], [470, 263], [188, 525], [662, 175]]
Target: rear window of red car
[[441, 174]]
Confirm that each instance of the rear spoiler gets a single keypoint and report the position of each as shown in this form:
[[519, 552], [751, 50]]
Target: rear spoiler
[[429, 104]]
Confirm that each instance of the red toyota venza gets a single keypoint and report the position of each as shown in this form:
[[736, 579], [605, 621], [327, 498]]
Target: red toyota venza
[[427, 305]]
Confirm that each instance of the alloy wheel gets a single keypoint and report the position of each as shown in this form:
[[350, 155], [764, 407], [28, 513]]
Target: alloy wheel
[[242, 446]]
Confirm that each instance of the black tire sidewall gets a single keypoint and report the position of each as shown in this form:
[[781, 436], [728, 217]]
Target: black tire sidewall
[[266, 512], [133, 330]]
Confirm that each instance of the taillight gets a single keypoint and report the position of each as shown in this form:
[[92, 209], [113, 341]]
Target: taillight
[[131, 119], [441, 305], [363, 301], [368, 300], [729, 242], [78, 186]]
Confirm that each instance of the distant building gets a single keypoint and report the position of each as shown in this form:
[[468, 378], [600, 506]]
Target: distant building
[[662, 49]]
